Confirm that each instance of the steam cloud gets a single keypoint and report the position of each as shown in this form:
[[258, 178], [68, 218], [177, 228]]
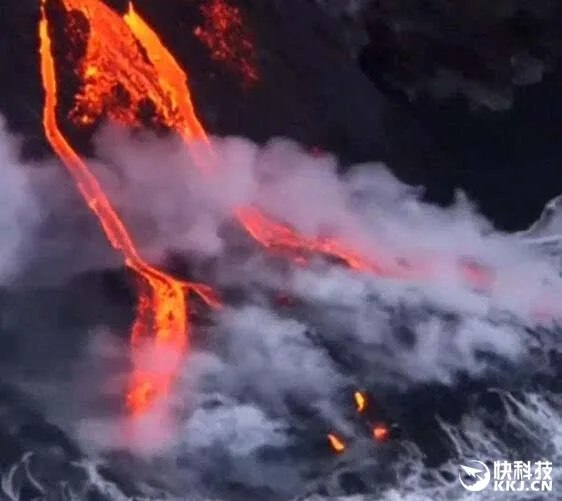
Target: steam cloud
[[18, 212], [234, 409]]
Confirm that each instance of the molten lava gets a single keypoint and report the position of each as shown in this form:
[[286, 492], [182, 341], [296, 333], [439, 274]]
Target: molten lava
[[280, 237], [360, 401], [381, 432], [113, 59], [162, 307], [336, 443], [119, 81], [172, 80], [227, 38]]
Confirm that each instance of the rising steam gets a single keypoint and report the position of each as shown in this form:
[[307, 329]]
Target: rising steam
[[19, 210], [261, 374]]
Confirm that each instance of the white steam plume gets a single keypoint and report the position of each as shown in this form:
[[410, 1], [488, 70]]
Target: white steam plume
[[259, 367], [19, 211]]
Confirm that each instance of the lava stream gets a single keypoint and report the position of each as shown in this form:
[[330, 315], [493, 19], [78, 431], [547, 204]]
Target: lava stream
[[360, 401], [171, 77], [336, 443], [162, 305], [164, 82]]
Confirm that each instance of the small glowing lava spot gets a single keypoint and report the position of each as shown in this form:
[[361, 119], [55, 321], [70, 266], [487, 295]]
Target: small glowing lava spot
[[337, 444], [91, 71], [360, 401], [381, 432]]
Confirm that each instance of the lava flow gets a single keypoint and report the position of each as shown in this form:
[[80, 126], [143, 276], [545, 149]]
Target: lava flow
[[162, 305], [124, 67], [172, 80], [360, 401], [113, 57], [337, 443], [118, 80]]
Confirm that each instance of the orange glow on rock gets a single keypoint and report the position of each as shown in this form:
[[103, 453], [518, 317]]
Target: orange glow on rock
[[227, 38]]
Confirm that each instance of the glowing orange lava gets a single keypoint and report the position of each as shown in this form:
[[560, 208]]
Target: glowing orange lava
[[360, 401], [381, 433], [277, 236], [160, 331], [227, 38], [336, 443], [172, 80], [119, 81]]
